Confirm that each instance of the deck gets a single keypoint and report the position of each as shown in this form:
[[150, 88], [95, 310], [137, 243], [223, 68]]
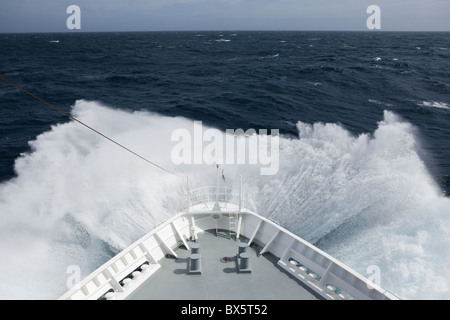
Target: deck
[[221, 280]]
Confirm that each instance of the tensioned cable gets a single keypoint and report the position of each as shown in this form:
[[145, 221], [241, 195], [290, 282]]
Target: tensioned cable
[[84, 124]]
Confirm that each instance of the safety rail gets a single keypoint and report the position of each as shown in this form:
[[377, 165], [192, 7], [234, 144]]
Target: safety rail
[[120, 276], [326, 275], [226, 198], [223, 195], [115, 277], [212, 194]]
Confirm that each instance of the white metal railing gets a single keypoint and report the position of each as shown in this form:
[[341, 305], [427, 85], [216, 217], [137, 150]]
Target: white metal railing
[[213, 194], [321, 272], [122, 274], [217, 194], [118, 277]]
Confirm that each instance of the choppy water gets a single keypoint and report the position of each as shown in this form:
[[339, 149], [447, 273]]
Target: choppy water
[[363, 173]]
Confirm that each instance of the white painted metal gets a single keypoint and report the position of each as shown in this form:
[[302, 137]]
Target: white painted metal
[[143, 255], [232, 225], [321, 272]]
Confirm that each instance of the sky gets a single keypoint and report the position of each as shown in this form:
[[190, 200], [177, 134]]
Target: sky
[[181, 15]]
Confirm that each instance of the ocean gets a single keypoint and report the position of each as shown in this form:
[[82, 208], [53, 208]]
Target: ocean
[[364, 123]]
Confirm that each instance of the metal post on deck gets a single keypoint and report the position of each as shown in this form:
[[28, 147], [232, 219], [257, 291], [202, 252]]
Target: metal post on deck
[[188, 196], [240, 193]]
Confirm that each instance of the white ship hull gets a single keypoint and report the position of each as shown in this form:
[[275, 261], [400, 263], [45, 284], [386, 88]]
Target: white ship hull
[[123, 275]]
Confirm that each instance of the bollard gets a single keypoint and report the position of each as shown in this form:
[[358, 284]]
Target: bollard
[[242, 247], [195, 264], [195, 248], [244, 263]]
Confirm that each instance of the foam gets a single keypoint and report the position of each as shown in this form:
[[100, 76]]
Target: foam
[[435, 104], [78, 199]]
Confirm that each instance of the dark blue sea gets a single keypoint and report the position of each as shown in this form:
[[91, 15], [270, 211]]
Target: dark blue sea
[[364, 122]]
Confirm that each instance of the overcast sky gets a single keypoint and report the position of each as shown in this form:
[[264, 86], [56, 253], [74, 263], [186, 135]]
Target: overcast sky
[[156, 15]]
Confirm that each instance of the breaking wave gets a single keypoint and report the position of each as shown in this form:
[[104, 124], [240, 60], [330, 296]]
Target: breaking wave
[[78, 199]]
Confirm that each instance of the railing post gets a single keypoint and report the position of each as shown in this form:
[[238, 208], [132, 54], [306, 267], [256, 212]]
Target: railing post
[[240, 193], [324, 277], [188, 196], [112, 281]]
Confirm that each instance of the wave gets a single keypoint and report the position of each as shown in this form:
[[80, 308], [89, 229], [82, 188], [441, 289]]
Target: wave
[[380, 103], [435, 104], [79, 199]]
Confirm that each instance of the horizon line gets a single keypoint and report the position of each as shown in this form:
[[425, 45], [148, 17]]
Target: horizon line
[[222, 30]]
